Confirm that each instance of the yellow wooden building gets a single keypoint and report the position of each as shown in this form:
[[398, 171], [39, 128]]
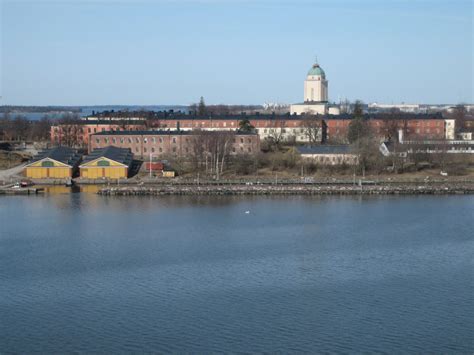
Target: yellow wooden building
[[107, 163], [56, 163]]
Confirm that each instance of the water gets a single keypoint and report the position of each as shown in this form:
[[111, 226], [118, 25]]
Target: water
[[83, 273]]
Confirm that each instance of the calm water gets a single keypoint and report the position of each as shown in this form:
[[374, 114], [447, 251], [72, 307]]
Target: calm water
[[84, 273]]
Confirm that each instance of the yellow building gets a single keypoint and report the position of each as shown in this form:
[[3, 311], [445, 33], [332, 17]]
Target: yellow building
[[107, 163], [56, 163]]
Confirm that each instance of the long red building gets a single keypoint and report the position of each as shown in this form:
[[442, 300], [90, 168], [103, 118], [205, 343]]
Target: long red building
[[328, 128]]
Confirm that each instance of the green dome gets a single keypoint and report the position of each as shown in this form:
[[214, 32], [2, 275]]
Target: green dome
[[316, 70]]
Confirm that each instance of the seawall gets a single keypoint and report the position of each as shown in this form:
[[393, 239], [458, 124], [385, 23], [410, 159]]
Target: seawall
[[418, 189]]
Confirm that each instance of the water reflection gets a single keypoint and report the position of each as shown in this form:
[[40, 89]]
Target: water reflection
[[81, 272]]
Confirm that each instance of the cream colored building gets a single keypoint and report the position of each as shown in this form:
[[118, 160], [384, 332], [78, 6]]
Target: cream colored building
[[315, 94]]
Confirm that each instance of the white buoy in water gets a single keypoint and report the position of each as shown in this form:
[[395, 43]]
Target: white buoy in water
[[247, 212]]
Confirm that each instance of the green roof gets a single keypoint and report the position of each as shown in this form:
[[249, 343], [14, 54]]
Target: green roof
[[316, 70]]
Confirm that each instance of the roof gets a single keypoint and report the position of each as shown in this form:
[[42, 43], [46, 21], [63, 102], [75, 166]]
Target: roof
[[317, 70], [120, 155], [325, 149], [177, 116], [165, 132], [63, 155], [102, 122]]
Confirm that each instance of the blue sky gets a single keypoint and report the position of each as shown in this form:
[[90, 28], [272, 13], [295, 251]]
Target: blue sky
[[89, 52]]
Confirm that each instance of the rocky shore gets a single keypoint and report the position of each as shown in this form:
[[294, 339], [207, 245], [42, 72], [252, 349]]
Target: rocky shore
[[193, 190]]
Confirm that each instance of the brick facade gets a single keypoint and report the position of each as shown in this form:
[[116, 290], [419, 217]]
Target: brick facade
[[162, 143], [77, 133], [333, 129]]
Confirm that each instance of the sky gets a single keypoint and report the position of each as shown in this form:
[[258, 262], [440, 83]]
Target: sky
[[145, 52]]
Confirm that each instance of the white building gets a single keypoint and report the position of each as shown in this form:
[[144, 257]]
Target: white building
[[315, 94]]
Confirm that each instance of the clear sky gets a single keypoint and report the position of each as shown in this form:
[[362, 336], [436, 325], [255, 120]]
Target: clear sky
[[90, 52]]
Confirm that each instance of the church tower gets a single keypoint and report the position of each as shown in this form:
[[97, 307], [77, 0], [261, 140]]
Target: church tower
[[316, 85]]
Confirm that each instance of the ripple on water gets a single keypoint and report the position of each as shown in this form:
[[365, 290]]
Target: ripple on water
[[297, 275]]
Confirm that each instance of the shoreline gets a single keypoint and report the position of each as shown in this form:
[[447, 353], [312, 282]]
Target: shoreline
[[330, 189]]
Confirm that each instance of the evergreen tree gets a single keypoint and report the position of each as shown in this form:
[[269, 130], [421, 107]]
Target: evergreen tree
[[202, 110], [245, 126], [358, 128], [358, 110]]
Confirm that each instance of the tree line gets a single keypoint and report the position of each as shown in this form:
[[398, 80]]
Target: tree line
[[19, 128]]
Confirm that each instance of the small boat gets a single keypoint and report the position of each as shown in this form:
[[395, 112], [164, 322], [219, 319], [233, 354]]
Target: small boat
[[69, 182]]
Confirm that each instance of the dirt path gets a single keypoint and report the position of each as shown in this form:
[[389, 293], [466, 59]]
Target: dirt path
[[12, 173]]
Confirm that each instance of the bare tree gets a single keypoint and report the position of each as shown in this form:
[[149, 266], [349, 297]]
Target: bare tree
[[70, 131], [40, 130], [459, 116], [390, 129], [21, 127], [277, 132], [211, 150], [312, 129]]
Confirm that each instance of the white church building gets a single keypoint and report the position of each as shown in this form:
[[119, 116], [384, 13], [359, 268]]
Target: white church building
[[315, 94]]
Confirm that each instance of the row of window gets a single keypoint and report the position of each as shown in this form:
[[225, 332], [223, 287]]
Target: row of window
[[186, 150], [154, 140]]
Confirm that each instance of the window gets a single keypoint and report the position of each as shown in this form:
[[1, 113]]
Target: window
[[47, 164], [144, 150], [103, 129], [121, 140], [136, 149], [160, 149], [233, 149], [174, 139], [97, 140], [161, 140], [103, 163], [186, 149], [89, 130], [129, 140], [174, 149], [249, 149], [154, 140], [95, 130], [114, 140], [248, 140], [152, 150], [241, 140], [137, 140]]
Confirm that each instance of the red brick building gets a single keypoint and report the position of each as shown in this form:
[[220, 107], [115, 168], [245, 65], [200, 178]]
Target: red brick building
[[179, 143], [331, 128], [76, 134], [414, 127]]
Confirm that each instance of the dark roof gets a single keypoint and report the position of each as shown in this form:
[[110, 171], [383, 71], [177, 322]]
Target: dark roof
[[102, 121], [165, 132], [120, 155], [325, 149], [62, 154]]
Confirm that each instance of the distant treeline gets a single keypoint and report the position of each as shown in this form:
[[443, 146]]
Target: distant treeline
[[26, 109], [17, 127]]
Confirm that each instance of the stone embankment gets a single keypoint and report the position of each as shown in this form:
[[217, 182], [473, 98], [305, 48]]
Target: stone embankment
[[193, 190]]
